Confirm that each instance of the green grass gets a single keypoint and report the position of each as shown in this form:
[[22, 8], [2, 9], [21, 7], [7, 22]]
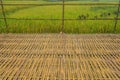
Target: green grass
[[55, 12]]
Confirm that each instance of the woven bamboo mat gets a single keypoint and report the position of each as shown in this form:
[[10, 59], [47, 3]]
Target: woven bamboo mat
[[59, 57]]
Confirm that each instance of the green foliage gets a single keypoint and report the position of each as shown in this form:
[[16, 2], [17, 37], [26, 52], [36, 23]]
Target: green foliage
[[55, 12]]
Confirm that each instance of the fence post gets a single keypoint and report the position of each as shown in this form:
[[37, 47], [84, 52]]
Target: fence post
[[116, 18], [63, 10], [4, 16]]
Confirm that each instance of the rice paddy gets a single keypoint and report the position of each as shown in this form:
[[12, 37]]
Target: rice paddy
[[55, 12]]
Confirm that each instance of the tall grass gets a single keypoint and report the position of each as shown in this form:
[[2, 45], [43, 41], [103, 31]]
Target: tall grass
[[55, 12]]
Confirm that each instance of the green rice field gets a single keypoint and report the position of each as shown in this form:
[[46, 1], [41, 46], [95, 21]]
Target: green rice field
[[55, 12]]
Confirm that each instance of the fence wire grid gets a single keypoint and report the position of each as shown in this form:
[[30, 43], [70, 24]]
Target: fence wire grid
[[63, 4]]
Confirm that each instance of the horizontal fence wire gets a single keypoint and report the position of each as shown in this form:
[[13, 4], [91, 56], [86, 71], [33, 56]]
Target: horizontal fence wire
[[24, 4], [64, 19]]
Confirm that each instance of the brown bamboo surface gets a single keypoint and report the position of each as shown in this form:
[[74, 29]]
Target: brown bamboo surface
[[59, 57]]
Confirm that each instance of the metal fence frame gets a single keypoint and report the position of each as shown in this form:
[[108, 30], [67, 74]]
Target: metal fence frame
[[63, 12]]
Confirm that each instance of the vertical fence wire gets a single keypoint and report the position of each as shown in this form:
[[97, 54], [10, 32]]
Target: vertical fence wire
[[63, 15], [4, 16], [116, 18]]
